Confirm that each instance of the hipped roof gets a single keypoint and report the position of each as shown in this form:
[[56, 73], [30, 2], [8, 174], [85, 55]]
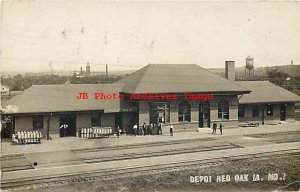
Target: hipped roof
[[175, 78], [266, 92], [61, 98]]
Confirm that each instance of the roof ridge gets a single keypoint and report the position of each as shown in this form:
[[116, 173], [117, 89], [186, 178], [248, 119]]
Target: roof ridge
[[234, 82], [142, 75], [171, 64], [132, 75], [254, 81], [85, 84], [159, 77]]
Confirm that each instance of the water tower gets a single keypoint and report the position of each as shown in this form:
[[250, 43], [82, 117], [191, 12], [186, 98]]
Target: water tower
[[249, 68]]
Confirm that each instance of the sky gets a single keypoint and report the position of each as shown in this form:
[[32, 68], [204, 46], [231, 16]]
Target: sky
[[65, 35]]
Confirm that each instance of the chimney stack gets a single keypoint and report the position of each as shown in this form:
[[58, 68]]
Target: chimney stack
[[230, 70], [106, 71]]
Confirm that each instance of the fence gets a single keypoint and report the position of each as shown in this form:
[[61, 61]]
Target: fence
[[95, 132], [27, 137]]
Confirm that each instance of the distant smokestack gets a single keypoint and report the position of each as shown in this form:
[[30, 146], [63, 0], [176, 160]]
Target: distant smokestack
[[230, 70], [106, 73]]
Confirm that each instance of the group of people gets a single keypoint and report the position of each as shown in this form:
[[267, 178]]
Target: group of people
[[151, 129], [214, 127]]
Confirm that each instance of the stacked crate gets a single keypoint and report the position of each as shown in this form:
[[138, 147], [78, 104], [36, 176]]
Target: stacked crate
[[95, 132], [27, 137]]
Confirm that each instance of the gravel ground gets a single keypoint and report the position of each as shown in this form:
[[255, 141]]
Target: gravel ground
[[180, 180]]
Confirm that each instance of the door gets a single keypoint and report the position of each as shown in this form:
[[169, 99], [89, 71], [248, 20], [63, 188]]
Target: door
[[204, 115], [159, 113], [118, 121], [70, 120], [282, 112]]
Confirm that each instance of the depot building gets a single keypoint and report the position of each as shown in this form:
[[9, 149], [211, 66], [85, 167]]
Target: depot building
[[43, 107]]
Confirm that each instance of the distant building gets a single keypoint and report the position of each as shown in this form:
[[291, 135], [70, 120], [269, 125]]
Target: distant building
[[83, 73]]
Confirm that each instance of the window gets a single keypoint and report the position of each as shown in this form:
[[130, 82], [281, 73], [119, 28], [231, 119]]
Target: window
[[159, 112], [241, 112], [96, 119], [270, 110], [184, 112], [223, 110], [255, 111], [167, 114], [37, 122], [163, 113]]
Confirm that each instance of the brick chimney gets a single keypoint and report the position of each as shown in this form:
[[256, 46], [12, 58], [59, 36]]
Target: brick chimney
[[230, 70]]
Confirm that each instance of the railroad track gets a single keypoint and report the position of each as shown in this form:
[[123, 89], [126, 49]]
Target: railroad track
[[287, 140], [160, 143], [159, 153], [107, 174], [265, 135], [279, 137], [141, 145], [22, 164], [14, 163], [10, 157]]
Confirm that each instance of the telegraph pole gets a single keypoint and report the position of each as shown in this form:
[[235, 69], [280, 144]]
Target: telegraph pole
[[48, 127]]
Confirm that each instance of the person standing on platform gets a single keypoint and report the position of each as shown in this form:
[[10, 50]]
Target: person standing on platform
[[214, 127], [135, 129], [160, 128], [63, 130], [171, 130], [221, 128], [153, 129], [144, 129], [118, 131], [140, 130], [150, 129]]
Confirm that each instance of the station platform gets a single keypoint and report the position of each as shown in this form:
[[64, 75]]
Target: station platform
[[69, 143]]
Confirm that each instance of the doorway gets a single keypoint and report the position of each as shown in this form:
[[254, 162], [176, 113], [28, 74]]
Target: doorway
[[70, 120], [159, 113], [282, 112], [204, 115], [118, 121]]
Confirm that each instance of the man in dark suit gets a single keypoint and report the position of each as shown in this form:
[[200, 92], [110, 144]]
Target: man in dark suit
[[214, 128], [221, 128], [144, 129]]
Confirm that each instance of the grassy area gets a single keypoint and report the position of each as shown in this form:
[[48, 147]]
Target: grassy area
[[180, 180]]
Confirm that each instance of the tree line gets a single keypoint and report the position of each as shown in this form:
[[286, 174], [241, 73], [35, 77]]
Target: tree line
[[21, 82], [283, 79]]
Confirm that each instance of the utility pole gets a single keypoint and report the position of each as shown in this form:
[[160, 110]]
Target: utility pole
[[263, 115], [48, 127]]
